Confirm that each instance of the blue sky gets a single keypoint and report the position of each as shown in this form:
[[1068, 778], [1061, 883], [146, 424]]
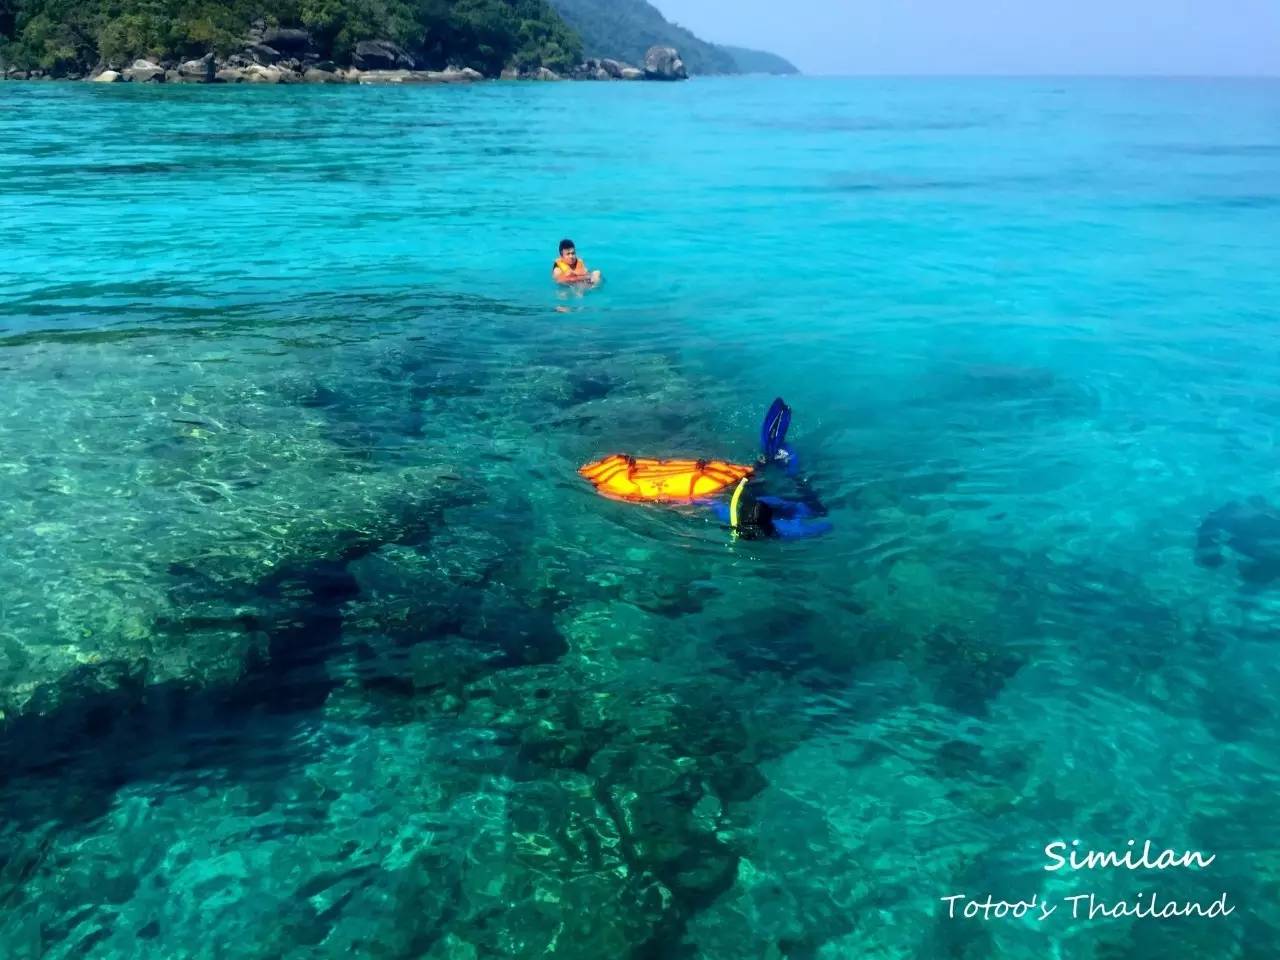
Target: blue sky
[[998, 36]]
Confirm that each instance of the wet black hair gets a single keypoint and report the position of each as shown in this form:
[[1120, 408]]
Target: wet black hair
[[755, 520], [567, 244]]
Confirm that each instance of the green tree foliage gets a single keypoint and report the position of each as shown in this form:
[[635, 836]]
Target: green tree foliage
[[490, 35], [56, 36], [338, 25], [73, 35], [8, 14]]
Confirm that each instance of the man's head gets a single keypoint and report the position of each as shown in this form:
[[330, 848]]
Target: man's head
[[759, 521], [568, 251], [755, 518]]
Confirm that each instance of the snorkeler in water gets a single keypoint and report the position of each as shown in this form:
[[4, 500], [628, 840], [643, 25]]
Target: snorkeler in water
[[733, 492], [752, 515]]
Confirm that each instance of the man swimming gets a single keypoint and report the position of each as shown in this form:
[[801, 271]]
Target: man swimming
[[568, 269]]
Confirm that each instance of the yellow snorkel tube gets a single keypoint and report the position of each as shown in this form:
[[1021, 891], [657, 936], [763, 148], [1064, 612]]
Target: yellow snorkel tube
[[733, 506]]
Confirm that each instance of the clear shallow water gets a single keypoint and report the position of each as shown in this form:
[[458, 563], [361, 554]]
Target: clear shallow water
[[313, 644]]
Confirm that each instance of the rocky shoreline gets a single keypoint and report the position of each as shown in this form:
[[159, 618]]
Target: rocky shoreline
[[285, 55]]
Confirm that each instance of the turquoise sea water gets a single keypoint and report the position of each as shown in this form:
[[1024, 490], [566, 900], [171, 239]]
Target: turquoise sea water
[[312, 643]]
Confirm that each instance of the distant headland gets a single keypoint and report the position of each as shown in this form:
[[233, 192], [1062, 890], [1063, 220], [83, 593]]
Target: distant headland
[[625, 29], [348, 41]]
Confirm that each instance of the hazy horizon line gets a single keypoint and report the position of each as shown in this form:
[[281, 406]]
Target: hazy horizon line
[[1100, 75]]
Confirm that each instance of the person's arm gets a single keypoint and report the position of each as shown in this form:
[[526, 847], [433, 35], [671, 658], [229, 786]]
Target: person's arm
[[559, 276], [802, 529], [720, 510]]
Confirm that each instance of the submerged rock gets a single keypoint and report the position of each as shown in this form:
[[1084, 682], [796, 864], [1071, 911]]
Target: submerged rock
[[149, 627], [1008, 380], [1251, 531], [586, 385]]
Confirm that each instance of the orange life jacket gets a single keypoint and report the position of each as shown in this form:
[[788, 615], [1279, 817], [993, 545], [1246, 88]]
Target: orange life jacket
[[644, 479], [578, 269]]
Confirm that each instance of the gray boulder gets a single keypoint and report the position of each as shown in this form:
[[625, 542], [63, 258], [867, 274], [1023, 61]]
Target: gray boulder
[[107, 76], [316, 75], [261, 74], [603, 74], [261, 53], [385, 76], [664, 63], [144, 71], [612, 67], [198, 71], [455, 75], [631, 73], [410, 76], [381, 55], [287, 40], [544, 73], [230, 74], [509, 73]]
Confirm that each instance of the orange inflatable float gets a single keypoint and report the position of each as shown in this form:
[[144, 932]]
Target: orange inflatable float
[[646, 480]]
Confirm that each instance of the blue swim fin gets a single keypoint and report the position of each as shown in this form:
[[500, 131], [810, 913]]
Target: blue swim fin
[[773, 432]]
